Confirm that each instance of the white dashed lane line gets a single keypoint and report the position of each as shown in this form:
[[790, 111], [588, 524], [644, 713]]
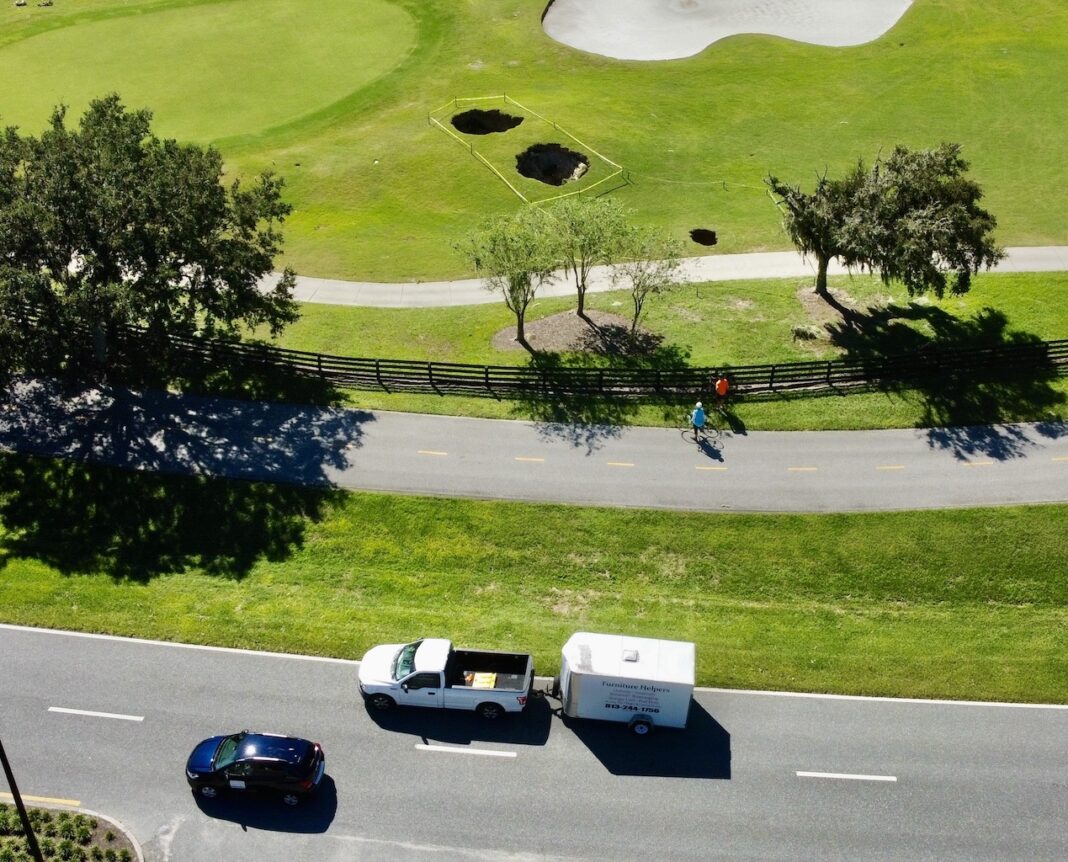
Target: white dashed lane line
[[91, 714], [846, 776], [448, 749]]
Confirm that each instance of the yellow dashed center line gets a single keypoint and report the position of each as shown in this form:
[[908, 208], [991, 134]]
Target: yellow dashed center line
[[74, 803], [802, 469], [979, 464], [529, 460], [1060, 458], [620, 464], [717, 469], [431, 452], [891, 467]]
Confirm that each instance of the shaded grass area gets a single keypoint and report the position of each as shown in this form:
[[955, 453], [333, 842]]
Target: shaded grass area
[[379, 194], [966, 604], [748, 322]]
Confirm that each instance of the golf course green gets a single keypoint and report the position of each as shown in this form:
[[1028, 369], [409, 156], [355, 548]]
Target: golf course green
[[335, 97]]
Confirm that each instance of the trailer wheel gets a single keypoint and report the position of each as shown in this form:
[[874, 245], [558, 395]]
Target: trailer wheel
[[490, 711], [381, 702], [641, 726]]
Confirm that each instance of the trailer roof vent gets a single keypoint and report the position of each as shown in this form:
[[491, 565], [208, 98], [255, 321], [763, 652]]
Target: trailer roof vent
[[630, 655]]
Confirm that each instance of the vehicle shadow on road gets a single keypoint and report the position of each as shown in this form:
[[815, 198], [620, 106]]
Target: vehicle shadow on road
[[530, 727], [701, 750], [269, 814]]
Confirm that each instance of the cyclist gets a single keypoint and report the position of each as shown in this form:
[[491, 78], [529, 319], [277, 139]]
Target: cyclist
[[697, 420]]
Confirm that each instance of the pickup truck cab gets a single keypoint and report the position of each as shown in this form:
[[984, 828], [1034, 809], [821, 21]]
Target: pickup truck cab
[[431, 673]]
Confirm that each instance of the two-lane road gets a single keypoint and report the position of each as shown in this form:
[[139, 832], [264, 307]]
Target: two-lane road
[[754, 776]]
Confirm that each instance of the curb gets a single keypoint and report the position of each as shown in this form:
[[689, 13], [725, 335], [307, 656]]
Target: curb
[[97, 815]]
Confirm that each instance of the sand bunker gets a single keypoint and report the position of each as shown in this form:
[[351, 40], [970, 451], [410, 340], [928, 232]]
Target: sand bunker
[[670, 29]]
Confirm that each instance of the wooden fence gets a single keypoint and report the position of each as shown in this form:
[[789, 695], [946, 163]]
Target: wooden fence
[[443, 378]]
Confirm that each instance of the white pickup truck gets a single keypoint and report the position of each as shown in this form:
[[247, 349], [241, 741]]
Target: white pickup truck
[[430, 672]]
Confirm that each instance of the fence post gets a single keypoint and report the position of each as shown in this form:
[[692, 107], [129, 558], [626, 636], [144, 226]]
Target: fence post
[[485, 372], [378, 373], [828, 372], [319, 362], [600, 380], [771, 379], [430, 376]]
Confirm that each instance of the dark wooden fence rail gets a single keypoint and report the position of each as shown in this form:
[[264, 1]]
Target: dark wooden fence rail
[[392, 375]]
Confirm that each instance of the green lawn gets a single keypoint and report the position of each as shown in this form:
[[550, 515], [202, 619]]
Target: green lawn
[[963, 604], [381, 194], [736, 323]]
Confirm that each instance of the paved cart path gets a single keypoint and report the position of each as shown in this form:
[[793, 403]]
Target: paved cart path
[[722, 267], [597, 465], [754, 776]]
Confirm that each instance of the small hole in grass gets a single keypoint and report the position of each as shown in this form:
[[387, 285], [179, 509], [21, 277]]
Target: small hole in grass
[[703, 236], [551, 163], [478, 122]]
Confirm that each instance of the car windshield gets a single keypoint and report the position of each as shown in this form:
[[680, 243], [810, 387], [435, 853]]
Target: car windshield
[[227, 752], [404, 661]]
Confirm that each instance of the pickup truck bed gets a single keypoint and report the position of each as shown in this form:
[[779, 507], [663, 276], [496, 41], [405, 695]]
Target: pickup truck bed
[[502, 671]]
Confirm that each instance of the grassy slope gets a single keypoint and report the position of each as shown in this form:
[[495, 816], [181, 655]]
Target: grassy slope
[[697, 134], [968, 604]]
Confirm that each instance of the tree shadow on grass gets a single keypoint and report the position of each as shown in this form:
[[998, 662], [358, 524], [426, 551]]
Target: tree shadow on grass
[[143, 485], [588, 414], [965, 413]]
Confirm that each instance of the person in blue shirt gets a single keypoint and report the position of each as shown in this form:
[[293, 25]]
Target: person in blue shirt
[[697, 419]]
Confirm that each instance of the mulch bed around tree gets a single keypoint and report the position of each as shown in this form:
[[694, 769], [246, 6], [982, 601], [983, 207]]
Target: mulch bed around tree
[[565, 332]]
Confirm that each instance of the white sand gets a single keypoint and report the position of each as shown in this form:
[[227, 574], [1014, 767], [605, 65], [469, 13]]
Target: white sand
[[670, 29]]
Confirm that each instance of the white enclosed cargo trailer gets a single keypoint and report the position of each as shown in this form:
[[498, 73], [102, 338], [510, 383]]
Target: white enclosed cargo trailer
[[643, 682]]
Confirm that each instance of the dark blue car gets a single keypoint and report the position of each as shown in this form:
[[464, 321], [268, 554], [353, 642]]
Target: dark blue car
[[247, 762]]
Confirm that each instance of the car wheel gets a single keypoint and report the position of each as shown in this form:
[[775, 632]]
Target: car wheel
[[208, 792], [381, 702], [290, 798], [641, 727], [490, 711], [554, 691]]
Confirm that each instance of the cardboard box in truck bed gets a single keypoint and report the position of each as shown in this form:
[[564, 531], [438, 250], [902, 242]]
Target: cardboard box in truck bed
[[643, 682]]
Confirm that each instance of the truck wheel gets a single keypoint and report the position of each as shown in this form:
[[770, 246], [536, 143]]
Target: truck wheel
[[641, 727], [381, 702], [490, 711]]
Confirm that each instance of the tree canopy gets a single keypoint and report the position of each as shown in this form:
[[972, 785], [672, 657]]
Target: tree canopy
[[591, 232], [516, 255], [913, 217], [107, 225]]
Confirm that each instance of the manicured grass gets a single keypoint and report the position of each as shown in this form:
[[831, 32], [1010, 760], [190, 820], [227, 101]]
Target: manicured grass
[[733, 323], [209, 70], [381, 194], [742, 322], [964, 604]]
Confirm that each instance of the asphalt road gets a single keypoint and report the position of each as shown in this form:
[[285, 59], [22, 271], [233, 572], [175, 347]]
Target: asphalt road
[[970, 782], [599, 465]]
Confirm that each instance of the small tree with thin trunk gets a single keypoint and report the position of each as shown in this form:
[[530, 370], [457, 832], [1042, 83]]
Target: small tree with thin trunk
[[652, 267], [516, 255], [591, 232]]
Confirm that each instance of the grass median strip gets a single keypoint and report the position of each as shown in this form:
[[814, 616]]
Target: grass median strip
[[965, 604]]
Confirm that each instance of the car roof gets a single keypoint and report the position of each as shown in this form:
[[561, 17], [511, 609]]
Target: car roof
[[270, 746]]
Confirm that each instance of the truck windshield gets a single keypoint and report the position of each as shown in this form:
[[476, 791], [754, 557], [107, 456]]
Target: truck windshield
[[404, 661]]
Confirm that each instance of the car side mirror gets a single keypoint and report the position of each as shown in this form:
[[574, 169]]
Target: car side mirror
[[404, 686]]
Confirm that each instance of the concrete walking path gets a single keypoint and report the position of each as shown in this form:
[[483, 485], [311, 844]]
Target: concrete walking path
[[722, 267]]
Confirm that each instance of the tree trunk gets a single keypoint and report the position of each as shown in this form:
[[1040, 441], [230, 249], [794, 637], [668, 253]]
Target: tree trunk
[[520, 331], [821, 279]]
